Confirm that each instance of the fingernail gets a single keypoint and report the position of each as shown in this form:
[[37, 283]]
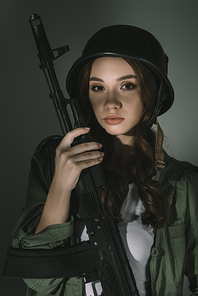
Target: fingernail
[[100, 145], [87, 128]]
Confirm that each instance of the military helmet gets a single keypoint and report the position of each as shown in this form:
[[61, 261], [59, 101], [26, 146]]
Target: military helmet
[[128, 42]]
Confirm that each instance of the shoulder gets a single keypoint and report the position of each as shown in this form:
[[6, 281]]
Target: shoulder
[[179, 181], [48, 145], [46, 149], [180, 170], [42, 162]]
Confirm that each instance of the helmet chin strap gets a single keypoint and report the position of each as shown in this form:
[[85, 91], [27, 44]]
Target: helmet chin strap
[[160, 99], [159, 153]]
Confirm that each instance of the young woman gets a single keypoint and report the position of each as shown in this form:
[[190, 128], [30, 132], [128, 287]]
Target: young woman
[[122, 86]]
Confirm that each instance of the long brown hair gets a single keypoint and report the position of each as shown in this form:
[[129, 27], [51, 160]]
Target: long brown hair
[[144, 142]]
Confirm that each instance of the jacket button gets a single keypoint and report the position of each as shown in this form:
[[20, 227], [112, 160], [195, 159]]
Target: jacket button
[[154, 252]]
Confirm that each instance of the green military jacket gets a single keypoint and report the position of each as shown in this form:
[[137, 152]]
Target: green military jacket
[[175, 249]]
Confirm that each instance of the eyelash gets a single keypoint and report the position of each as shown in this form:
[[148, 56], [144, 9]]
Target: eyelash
[[132, 86], [100, 87], [97, 86]]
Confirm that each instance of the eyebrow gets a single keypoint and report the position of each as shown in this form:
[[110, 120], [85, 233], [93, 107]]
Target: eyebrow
[[118, 79]]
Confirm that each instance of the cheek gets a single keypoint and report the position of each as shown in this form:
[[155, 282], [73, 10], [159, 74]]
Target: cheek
[[96, 106], [94, 110], [97, 112], [138, 105]]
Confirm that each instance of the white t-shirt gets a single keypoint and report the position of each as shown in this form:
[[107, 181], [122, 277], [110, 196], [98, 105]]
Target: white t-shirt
[[137, 239]]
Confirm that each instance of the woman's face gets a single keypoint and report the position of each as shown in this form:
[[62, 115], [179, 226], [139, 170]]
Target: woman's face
[[115, 95]]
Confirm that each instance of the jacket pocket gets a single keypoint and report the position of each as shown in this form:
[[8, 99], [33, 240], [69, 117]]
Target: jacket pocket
[[178, 245]]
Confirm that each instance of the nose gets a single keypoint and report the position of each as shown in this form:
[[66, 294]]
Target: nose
[[112, 101]]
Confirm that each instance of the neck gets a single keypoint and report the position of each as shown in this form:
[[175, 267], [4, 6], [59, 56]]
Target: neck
[[124, 148], [123, 158]]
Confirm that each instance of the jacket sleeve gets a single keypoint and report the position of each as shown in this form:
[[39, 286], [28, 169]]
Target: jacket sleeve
[[191, 270], [51, 237], [41, 174]]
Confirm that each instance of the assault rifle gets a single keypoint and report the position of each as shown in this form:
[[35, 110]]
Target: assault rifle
[[103, 256]]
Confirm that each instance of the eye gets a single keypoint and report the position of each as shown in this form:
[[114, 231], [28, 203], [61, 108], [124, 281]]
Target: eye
[[97, 88], [128, 86]]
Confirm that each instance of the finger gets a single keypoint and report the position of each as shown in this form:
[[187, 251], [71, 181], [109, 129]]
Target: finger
[[85, 147], [70, 136], [89, 163], [88, 156]]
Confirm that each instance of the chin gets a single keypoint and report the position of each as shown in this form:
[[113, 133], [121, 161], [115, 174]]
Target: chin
[[119, 131], [116, 131]]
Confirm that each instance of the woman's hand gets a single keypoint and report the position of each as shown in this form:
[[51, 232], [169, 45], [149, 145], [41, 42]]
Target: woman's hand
[[69, 163]]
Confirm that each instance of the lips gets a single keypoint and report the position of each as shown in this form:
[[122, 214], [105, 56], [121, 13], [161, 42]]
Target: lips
[[113, 119]]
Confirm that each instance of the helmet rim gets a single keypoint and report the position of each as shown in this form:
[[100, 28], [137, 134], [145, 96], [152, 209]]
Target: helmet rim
[[96, 48]]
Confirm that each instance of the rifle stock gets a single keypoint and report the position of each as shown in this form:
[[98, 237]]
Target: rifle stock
[[105, 249]]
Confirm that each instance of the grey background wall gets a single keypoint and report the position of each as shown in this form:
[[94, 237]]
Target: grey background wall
[[27, 115]]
